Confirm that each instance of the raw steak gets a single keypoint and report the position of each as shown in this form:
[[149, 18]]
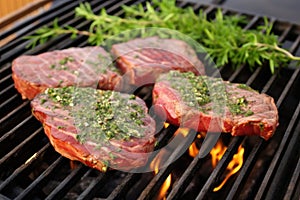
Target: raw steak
[[142, 60], [85, 67], [99, 128], [204, 103]]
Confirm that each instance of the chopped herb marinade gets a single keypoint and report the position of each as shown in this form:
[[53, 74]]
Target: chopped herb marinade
[[62, 63], [101, 115], [66, 60], [64, 95], [245, 87], [102, 63], [199, 91]]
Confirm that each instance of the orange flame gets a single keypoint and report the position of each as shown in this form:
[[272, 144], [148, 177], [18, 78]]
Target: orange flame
[[234, 165], [156, 162], [193, 150], [165, 186], [217, 153]]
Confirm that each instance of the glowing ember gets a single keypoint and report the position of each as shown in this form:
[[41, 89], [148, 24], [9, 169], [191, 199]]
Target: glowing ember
[[166, 124], [234, 165]]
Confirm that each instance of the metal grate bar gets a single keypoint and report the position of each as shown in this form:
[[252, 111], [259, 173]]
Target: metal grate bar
[[10, 115], [220, 168], [42, 16], [179, 186], [122, 188], [71, 21], [250, 24], [4, 67], [6, 90], [279, 157], [290, 156], [60, 191], [258, 147], [258, 70], [14, 107], [91, 190], [241, 68], [65, 14], [153, 187], [163, 138], [7, 102], [37, 22], [39, 181], [291, 82], [11, 103], [247, 166], [182, 4], [225, 159], [294, 183], [5, 79], [5, 136], [249, 162], [23, 169], [68, 15], [10, 155], [151, 190]]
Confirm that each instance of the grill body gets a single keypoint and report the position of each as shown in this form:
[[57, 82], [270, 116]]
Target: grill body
[[31, 169]]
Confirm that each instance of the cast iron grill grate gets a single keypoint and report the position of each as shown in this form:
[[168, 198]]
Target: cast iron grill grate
[[31, 169]]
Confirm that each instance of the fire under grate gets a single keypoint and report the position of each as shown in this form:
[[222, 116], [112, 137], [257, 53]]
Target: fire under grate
[[31, 169]]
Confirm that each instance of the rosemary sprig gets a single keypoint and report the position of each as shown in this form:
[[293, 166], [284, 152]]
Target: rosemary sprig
[[223, 38]]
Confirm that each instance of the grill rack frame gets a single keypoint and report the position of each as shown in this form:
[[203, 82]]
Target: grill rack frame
[[21, 112]]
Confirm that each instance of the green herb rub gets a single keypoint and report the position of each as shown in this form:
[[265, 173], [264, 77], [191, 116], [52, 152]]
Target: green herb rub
[[199, 91], [101, 115]]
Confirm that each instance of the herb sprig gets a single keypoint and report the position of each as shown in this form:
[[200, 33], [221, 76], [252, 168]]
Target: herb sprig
[[223, 38]]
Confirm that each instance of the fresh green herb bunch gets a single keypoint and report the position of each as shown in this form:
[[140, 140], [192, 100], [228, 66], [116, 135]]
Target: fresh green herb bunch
[[224, 40]]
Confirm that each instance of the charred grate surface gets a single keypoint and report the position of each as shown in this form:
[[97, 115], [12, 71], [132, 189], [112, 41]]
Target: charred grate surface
[[31, 169]]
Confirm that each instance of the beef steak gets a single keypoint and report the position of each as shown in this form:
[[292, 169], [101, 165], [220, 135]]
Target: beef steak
[[141, 60], [97, 127], [204, 103], [85, 67]]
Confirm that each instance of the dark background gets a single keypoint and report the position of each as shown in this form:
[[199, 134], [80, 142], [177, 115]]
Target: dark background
[[286, 10]]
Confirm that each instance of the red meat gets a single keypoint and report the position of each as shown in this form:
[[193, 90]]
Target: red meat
[[74, 123], [142, 60], [228, 107], [85, 67]]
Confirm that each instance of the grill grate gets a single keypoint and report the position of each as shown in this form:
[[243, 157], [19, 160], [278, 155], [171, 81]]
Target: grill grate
[[31, 169]]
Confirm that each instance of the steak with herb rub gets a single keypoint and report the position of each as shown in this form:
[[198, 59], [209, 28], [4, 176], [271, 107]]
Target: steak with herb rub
[[211, 104], [84, 67], [142, 60], [97, 127]]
